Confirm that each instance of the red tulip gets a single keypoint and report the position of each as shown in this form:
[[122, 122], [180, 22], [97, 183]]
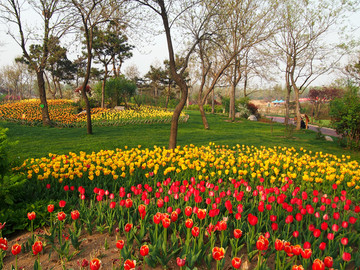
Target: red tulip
[[318, 265], [84, 263], [296, 234], [129, 264], [166, 222], [328, 261], [180, 262], [128, 203], [61, 216], [141, 208], [352, 220], [279, 244], [195, 231], [15, 249], [296, 250], [237, 233], [262, 243], [50, 208], [344, 241], [322, 246], [335, 227], [112, 205], [297, 267], [3, 244], [120, 244], [95, 264], [252, 219], [174, 216], [346, 256], [222, 225], [330, 236], [201, 214], [236, 262], [75, 214], [324, 226], [274, 226], [188, 211], [157, 218], [62, 204], [31, 215], [128, 227], [144, 250], [306, 253], [189, 223], [317, 233], [37, 247], [218, 253], [160, 203]]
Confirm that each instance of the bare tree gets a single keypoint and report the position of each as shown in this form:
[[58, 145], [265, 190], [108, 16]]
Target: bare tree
[[91, 14], [235, 27], [169, 11], [17, 80], [36, 56], [301, 45]]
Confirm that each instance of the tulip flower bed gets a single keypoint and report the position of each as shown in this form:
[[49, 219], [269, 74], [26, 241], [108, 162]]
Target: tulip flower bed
[[210, 207], [64, 113]]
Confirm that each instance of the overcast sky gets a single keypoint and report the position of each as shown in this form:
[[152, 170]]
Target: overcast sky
[[144, 55]]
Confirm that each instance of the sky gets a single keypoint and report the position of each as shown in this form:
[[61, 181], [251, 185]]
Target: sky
[[144, 54]]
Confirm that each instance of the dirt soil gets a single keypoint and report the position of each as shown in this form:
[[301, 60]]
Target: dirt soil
[[94, 247]]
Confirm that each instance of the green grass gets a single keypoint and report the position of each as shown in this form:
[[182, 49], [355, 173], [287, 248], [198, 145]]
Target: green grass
[[40, 141]]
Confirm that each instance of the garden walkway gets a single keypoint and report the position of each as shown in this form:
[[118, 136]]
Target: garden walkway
[[324, 130]]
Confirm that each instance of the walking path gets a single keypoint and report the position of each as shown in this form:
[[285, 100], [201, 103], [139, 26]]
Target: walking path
[[323, 130]]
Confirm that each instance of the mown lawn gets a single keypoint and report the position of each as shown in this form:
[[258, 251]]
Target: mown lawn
[[40, 141]]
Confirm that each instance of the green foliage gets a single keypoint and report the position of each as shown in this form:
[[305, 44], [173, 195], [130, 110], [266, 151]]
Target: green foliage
[[119, 89], [4, 145], [345, 113], [207, 108]]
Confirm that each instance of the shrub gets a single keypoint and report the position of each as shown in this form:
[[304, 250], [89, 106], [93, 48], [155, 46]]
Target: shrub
[[345, 113]]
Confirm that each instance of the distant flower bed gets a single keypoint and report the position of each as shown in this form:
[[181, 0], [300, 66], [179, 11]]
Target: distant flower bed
[[65, 113]]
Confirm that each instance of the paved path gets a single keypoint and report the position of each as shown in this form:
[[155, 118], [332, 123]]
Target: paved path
[[324, 130]]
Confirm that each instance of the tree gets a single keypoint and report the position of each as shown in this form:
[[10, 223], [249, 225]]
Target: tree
[[319, 96], [156, 76], [345, 113], [120, 89], [59, 67], [353, 70], [53, 18], [232, 28], [164, 10], [248, 23], [17, 80], [300, 43], [110, 45], [90, 14]]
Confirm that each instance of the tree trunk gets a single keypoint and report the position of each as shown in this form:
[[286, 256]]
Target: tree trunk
[[88, 112], [175, 117], [53, 93], [203, 116], [287, 106], [232, 102], [103, 87], [297, 109], [213, 101], [42, 94], [60, 91]]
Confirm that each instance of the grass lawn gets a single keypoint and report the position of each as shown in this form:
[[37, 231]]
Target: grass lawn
[[39, 141]]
